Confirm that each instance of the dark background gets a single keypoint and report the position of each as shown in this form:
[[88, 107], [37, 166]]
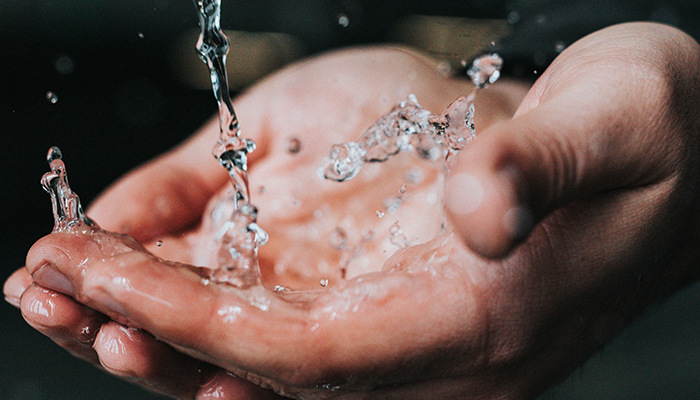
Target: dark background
[[113, 67]]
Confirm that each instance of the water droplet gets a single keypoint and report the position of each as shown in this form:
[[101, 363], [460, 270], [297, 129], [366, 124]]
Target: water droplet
[[392, 204], [414, 176], [343, 20], [397, 237], [64, 65], [344, 162], [457, 124], [513, 17], [444, 68], [380, 214], [159, 243], [140, 35], [338, 239], [402, 189], [324, 282], [559, 46], [230, 313], [367, 235], [428, 147], [485, 70], [293, 145], [54, 154], [52, 97], [280, 288]]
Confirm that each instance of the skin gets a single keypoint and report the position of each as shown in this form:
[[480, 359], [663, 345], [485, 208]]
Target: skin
[[580, 209]]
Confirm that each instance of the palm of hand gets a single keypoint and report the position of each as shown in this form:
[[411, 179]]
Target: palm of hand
[[321, 229]]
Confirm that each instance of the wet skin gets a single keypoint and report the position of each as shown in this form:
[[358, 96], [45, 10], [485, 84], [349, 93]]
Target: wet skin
[[572, 211]]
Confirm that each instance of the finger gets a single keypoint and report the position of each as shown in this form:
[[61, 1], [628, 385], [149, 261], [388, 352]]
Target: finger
[[76, 265], [278, 343], [226, 386], [70, 325], [524, 169], [126, 352], [15, 285], [135, 355], [571, 139]]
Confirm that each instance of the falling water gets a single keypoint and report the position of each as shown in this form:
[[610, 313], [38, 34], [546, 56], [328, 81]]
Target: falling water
[[236, 258]]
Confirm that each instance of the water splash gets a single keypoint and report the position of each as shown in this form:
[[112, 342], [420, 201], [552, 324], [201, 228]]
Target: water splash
[[397, 236], [236, 260], [485, 70], [67, 210], [408, 126], [52, 97]]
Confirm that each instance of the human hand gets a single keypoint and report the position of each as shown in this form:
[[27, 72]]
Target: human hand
[[163, 200], [505, 328]]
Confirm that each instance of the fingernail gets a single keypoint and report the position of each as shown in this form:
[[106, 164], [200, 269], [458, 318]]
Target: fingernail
[[13, 293], [465, 194], [518, 222], [12, 300], [49, 277]]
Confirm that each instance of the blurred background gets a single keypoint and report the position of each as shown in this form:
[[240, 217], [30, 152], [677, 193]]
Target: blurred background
[[114, 83]]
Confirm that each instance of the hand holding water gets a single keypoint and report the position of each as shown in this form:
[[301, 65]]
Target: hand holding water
[[600, 152]]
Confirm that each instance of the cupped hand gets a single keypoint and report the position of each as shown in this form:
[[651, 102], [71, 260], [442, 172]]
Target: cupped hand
[[321, 102], [569, 219]]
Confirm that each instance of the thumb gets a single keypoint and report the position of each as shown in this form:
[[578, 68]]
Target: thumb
[[518, 171]]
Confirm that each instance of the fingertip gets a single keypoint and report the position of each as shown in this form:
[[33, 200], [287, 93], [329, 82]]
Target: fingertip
[[51, 262], [115, 345], [518, 222], [60, 317], [15, 285], [487, 210], [223, 384], [46, 251], [69, 324], [137, 355]]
